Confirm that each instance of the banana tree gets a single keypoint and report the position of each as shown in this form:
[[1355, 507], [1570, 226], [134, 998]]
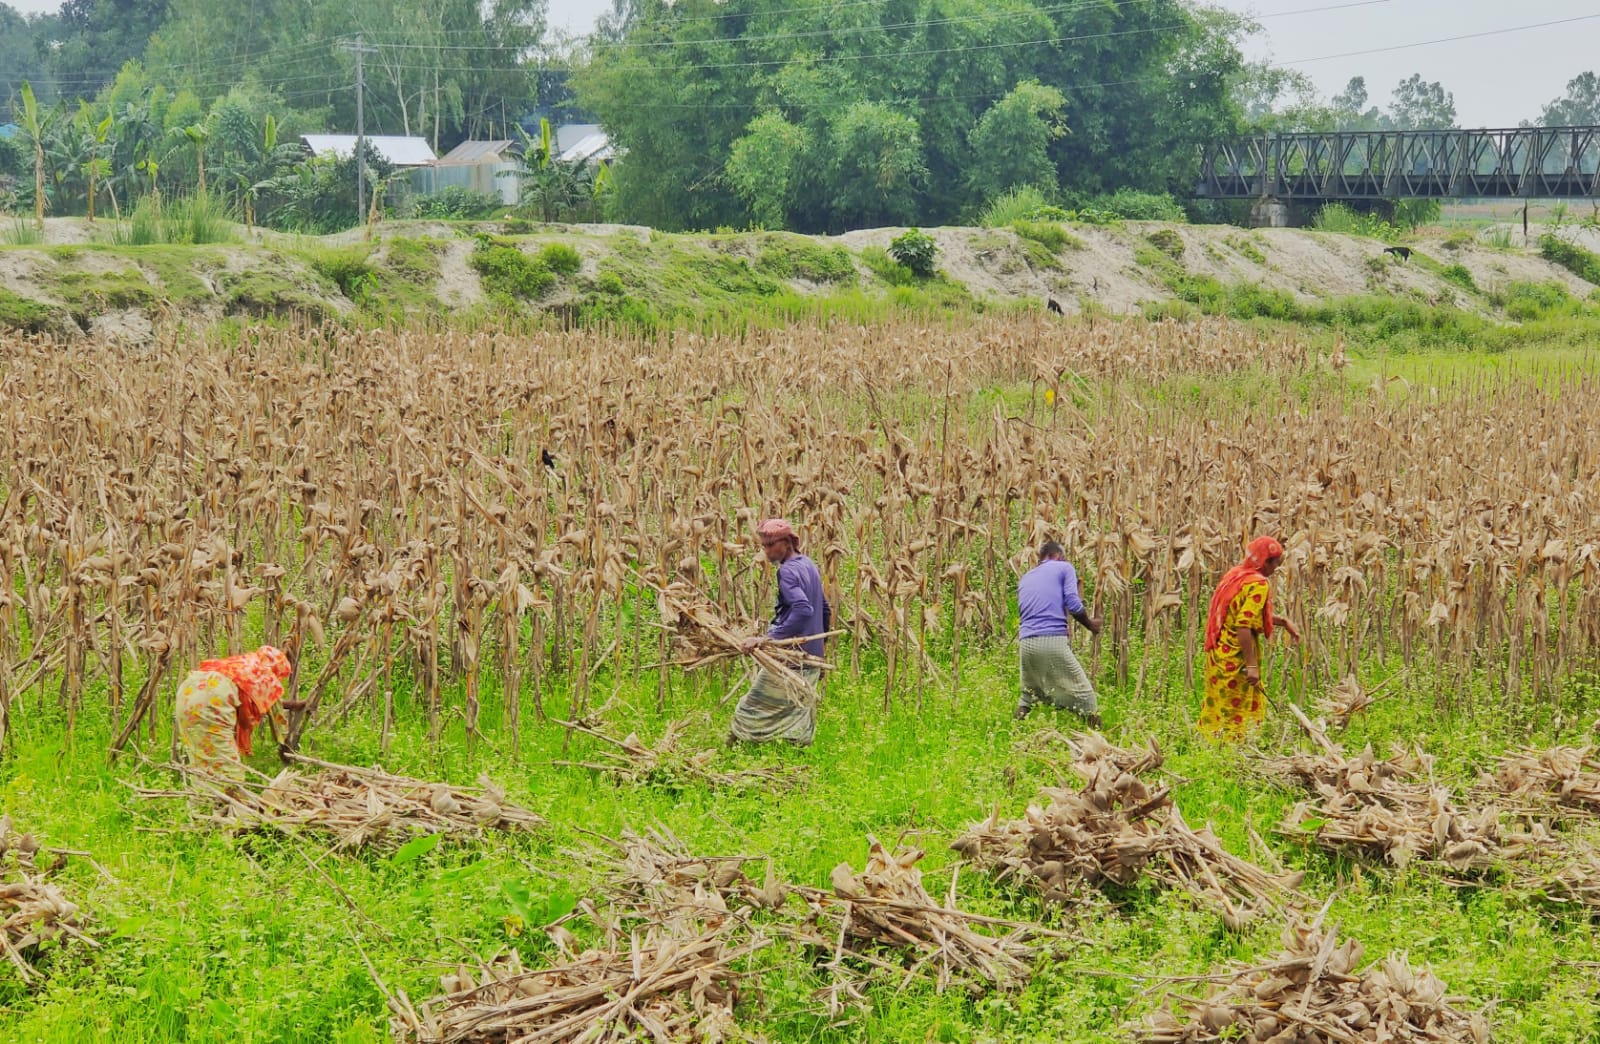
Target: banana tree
[[98, 165], [198, 135], [34, 124], [258, 166], [557, 186]]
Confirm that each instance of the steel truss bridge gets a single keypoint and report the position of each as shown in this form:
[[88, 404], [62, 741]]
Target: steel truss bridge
[[1524, 163]]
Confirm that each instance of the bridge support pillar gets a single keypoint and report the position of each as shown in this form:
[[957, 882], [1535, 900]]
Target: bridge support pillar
[[1267, 212]]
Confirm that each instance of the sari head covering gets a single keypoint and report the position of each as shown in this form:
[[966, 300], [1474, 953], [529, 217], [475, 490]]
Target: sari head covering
[[778, 529], [1261, 550], [259, 676]]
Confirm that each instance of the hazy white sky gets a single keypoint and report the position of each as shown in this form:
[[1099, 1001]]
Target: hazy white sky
[[1497, 80]]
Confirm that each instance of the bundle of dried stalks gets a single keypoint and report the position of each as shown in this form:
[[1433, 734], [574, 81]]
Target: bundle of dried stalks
[[1116, 829], [630, 760], [357, 807], [1560, 780], [1347, 699], [704, 638], [32, 909], [884, 920], [1391, 809], [672, 983], [1313, 993], [656, 874]]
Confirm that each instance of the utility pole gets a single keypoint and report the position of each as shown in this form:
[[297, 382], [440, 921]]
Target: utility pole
[[360, 50]]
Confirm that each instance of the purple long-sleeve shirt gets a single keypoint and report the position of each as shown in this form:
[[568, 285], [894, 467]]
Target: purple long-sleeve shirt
[[1046, 595], [802, 609]]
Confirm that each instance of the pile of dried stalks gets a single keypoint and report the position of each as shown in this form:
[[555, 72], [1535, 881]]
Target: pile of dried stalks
[[1116, 829], [655, 874], [669, 983], [632, 761], [1391, 809], [1312, 993], [357, 807], [32, 909], [883, 919], [1562, 781]]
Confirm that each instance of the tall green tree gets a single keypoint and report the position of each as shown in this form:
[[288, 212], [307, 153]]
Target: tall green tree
[[1420, 105], [21, 58], [765, 167], [680, 85], [1578, 107], [1011, 141], [90, 40]]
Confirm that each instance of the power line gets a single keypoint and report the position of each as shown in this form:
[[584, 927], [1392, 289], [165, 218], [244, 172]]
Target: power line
[[987, 16], [924, 52], [1444, 39]]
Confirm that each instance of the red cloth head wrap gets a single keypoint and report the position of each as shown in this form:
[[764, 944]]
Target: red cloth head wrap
[[259, 676], [1261, 550]]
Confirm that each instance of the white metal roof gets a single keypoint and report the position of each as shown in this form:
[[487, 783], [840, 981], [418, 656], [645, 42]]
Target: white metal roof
[[402, 152], [594, 148], [569, 134]]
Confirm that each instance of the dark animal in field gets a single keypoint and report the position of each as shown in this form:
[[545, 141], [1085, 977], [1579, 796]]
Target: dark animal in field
[[547, 459], [1403, 253], [1051, 304]]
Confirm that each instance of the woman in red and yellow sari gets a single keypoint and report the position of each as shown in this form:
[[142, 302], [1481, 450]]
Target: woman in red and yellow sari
[[1235, 702], [220, 704]]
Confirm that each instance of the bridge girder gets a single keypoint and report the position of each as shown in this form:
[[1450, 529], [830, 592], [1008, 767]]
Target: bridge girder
[[1520, 163]]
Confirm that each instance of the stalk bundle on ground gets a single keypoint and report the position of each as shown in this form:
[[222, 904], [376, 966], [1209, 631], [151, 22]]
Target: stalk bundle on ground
[[354, 807], [1391, 809], [1315, 992], [1116, 829], [665, 763], [33, 909], [670, 983], [882, 919], [655, 875]]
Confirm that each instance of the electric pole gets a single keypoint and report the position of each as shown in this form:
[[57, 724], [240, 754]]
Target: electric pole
[[360, 50]]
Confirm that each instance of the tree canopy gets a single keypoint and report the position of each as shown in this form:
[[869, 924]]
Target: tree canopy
[[1579, 107], [734, 111]]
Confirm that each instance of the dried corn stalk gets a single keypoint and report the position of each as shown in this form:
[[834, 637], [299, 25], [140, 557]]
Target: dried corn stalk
[[883, 920], [655, 874], [1559, 780], [355, 807], [1314, 991], [33, 909], [663, 763], [671, 983], [1116, 829], [1390, 809]]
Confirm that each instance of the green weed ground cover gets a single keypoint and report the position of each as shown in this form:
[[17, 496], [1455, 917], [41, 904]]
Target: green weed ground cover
[[217, 938]]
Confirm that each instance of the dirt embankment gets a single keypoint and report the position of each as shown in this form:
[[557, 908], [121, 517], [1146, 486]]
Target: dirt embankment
[[73, 284]]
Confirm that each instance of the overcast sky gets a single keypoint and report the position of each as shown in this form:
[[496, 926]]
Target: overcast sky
[[1497, 79]]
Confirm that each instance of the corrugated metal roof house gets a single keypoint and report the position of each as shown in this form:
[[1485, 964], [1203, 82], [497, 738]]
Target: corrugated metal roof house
[[470, 152], [482, 166], [400, 151]]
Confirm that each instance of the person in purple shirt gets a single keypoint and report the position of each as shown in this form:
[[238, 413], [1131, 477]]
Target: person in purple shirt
[[773, 709], [1047, 595]]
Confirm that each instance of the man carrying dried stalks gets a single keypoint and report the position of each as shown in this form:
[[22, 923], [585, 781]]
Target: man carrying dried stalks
[[784, 706], [1047, 595]]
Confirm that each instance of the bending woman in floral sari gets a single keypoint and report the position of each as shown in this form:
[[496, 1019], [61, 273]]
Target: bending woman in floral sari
[[220, 704], [1235, 702]]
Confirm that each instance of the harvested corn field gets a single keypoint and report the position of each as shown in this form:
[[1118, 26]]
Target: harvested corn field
[[513, 574]]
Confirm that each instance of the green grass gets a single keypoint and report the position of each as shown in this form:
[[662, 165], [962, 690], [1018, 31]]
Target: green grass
[[796, 257], [26, 314], [18, 230], [1026, 204], [219, 938], [1582, 263]]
